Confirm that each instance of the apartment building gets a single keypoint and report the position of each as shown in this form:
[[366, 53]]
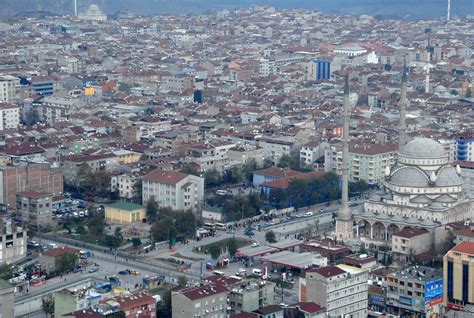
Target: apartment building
[[251, 295], [8, 85], [366, 161], [9, 116], [12, 241], [34, 208], [177, 190], [211, 155], [467, 174], [415, 292], [148, 126], [312, 151], [410, 242], [458, 273], [28, 176], [56, 109], [275, 148], [177, 83], [208, 301], [42, 85], [341, 289]]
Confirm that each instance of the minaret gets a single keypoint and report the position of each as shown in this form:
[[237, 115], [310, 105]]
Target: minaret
[[449, 11], [75, 8], [403, 107], [344, 216]]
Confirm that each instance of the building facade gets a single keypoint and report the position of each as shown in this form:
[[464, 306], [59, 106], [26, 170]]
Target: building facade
[[177, 190], [208, 301], [9, 116], [341, 289], [34, 208], [458, 273], [8, 85], [415, 292], [251, 295], [125, 213], [13, 241]]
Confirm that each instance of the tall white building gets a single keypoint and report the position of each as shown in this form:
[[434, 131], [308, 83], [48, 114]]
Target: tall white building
[[12, 241], [341, 289], [7, 88], [176, 190], [9, 116]]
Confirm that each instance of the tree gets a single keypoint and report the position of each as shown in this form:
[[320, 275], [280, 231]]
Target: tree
[[48, 305], [468, 92], [215, 251], [248, 169], [6, 271], [136, 242], [96, 222], [182, 281], [112, 241], [144, 157], [164, 308], [212, 178], [267, 163], [285, 161], [81, 229], [270, 237], [189, 169], [151, 209], [137, 191], [232, 247], [163, 229], [118, 233], [66, 262], [185, 223]]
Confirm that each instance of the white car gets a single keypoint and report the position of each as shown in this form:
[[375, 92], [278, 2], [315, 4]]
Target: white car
[[308, 214], [221, 192], [257, 272], [255, 244], [241, 272]]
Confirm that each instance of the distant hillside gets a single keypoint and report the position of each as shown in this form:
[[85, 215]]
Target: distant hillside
[[400, 8]]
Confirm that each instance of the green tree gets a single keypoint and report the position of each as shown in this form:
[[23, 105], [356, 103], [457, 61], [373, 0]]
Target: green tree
[[96, 223], [232, 247], [468, 92], [212, 178], [285, 161], [118, 233], [189, 169], [66, 262], [182, 281], [248, 169], [136, 242], [6, 271], [163, 229], [267, 163], [80, 229], [185, 223], [215, 251], [47, 304], [112, 241], [137, 191], [144, 157], [152, 209], [164, 308], [270, 237]]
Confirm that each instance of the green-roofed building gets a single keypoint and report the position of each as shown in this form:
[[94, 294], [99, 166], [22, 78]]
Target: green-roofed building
[[124, 213]]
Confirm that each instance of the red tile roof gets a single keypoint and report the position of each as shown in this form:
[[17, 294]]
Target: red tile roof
[[33, 194], [24, 149], [465, 248], [309, 307], [277, 172], [268, 310], [159, 176], [134, 301], [409, 232], [328, 271], [283, 183], [194, 293], [87, 313], [244, 315], [60, 251]]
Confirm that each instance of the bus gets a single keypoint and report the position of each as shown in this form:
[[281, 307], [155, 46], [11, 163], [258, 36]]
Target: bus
[[209, 226], [220, 226], [218, 273]]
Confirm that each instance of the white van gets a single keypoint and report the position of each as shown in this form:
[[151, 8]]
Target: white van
[[257, 272]]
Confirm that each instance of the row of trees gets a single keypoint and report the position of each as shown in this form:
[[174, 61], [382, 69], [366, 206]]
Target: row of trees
[[236, 174], [96, 183], [300, 193], [236, 207], [172, 225]]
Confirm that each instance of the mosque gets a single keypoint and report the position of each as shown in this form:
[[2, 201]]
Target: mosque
[[421, 190], [93, 14]]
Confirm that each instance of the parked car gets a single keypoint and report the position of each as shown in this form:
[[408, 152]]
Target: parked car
[[93, 269], [307, 214]]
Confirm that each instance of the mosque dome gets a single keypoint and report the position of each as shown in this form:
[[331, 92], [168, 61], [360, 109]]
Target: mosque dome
[[423, 148], [409, 177], [93, 8], [448, 177]]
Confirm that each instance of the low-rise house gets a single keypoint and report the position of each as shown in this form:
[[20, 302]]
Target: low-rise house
[[124, 213]]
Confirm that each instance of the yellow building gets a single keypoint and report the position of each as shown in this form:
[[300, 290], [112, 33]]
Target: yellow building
[[126, 156], [458, 268], [124, 213]]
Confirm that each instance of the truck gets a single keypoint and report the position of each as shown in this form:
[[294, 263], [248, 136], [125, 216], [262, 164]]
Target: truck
[[85, 254]]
